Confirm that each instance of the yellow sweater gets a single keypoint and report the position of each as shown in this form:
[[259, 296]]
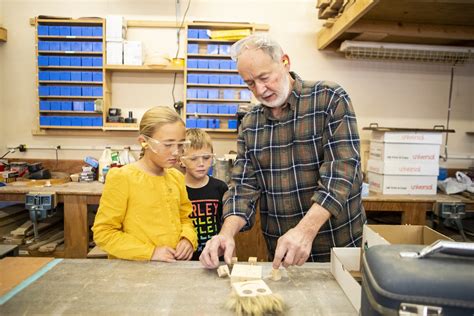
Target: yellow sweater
[[139, 212]]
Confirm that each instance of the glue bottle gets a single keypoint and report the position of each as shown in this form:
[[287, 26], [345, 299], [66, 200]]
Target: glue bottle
[[104, 161]]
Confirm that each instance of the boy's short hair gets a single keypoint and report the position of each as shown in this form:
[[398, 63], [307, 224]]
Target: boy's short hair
[[198, 138]]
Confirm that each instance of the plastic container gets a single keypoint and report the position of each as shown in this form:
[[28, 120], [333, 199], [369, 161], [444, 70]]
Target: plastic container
[[104, 162]]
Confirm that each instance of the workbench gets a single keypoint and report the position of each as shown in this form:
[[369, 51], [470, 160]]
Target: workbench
[[101, 286], [77, 195]]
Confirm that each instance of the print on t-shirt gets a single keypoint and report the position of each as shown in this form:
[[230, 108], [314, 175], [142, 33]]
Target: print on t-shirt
[[205, 218]]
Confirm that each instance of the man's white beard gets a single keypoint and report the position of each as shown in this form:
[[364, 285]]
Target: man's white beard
[[282, 96]]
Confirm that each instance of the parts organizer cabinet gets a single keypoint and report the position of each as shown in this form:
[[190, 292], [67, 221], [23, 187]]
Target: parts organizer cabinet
[[214, 89], [70, 55]]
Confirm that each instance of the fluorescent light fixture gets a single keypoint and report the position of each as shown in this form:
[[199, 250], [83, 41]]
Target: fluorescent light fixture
[[407, 52]]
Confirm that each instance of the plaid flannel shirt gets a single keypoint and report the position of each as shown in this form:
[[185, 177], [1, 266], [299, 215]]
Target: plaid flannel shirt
[[309, 155]]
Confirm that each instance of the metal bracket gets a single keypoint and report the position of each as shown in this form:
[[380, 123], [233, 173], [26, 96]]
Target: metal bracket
[[407, 309]]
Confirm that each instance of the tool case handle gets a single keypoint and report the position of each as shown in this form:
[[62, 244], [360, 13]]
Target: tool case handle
[[464, 249]]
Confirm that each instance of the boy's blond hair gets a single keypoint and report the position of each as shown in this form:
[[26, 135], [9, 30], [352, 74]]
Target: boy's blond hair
[[198, 138]]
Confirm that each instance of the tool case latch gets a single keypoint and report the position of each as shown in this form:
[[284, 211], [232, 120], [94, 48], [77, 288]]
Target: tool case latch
[[407, 309]]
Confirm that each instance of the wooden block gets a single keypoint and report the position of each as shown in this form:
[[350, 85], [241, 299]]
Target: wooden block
[[223, 271], [253, 260], [234, 260], [251, 288], [276, 274], [245, 272]]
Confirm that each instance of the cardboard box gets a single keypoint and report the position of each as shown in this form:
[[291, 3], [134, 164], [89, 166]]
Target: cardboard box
[[408, 137], [402, 184], [115, 28], [114, 53], [345, 267], [133, 53], [428, 153], [402, 167]]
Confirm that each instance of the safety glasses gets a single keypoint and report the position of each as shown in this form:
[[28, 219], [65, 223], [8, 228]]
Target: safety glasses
[[256, 41], [195, 159], [159, 146]]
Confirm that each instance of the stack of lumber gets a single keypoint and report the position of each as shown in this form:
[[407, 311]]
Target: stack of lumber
[[11, 217], [331, 9]]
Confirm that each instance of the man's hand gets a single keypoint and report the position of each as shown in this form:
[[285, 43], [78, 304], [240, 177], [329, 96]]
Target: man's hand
[[215, 247], [166, 254], [184, 250], [294, 247]]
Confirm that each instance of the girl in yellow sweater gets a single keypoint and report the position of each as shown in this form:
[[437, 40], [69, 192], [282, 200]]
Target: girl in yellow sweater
[[144, 209]]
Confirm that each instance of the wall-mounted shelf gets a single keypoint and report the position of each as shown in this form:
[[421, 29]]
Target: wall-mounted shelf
[[3, 34], [429, 22], [144, 68]]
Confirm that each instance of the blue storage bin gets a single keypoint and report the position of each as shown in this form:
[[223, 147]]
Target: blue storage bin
[[55, 120], [65, 46], [53, 30], [202, 93], [97, 76], [97, 46], [76, 30], [55, 105], [43, 75], [43, 91], [97, 121], [203, 79], [97, 91], [78, 106], [202, 33], [76, 91], [203, 63], [86, 76], [87, 91], [229, 94], [97, 61], [76, 121], [87, 31], [224, 64], [223, 109], [193, 48], [55, 90], [232, 124], [65, 30], [201, 123], [191, 93], [97, 31], [76, 76], [202, 108], [212, 109], [86, 61], [213, 94], [213, 63], [44, 121], [43, 61], [86, 46], [86, 121], [235, 79], [213, 123], [44, 106], [232, 108], [224, 49], [213, 49], [89, 106], [192, 78], [192, 63], [43, 30], [233, 64], [65, 61], [43, 45], [224, 79], [65, 121], [65, 76], [54, 76], [214, 79], [66, 105], [191, 123], [193, 33], [53, 60], [191, 108], [245, 95], [55, 46], [76, 46], [76, 61], [65, 91]]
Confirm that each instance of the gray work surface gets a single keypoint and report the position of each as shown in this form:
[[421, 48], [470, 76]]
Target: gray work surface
[[98, 286]]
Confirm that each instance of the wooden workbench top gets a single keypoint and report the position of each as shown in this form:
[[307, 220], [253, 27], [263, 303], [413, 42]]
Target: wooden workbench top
[[98, 286], [73, 188]]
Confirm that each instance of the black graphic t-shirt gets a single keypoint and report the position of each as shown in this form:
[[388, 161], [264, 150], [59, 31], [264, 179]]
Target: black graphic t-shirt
[[207, 211]]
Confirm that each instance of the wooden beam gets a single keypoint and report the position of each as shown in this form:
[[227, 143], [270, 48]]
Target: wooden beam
[[454, 32], [327, 35], [3, 34], [370, 36]]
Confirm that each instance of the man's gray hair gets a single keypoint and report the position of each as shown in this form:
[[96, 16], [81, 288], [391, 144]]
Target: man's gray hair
[[257, 41]]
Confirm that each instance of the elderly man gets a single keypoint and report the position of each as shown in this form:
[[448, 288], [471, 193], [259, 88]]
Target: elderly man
[[298, 154]]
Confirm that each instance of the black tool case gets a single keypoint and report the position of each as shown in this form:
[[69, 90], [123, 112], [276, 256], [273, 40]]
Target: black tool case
[[439, 284]]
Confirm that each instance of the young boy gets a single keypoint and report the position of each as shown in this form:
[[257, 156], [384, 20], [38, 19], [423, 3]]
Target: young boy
[[205, 192]]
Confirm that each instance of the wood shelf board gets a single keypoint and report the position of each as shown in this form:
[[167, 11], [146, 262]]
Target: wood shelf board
[[99, 132], [405, 21], [73, 127], [85, 21], [69, 67], [212, 70], [70, 112], [210, 85], [211, 114], [61, 52], [70, 97], [220, 130], [228, 25], [121, 126], [72, 37], [204, 40], [220, 100], [210, 55], [3, 34], [144, 68], [70, 82]]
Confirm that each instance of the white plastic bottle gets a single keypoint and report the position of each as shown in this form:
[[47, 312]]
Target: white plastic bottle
[[104, 161]]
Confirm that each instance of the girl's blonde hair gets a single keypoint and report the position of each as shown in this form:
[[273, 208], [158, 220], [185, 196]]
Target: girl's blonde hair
[[155, 118], [198, 139]]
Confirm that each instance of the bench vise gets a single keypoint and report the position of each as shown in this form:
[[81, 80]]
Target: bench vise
[[40, 205]]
